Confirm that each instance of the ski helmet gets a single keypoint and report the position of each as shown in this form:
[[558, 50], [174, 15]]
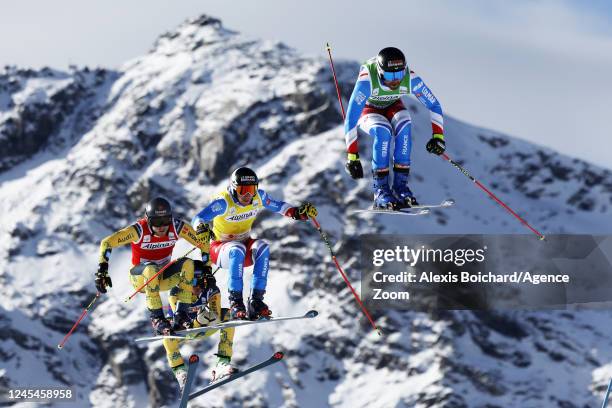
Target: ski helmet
[[158, 212], [243, 182], [391, 64]]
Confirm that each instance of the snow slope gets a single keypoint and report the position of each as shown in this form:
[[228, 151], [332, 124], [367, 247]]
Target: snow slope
[[92, 147]]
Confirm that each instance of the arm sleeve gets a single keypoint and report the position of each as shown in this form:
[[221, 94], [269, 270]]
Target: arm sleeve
[[427, 98], [361, 93], [277, 206], [186, 232], [122, 237], [217, 207]]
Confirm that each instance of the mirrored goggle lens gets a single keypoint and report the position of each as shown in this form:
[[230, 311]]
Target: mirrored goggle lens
[[393, 76], [244, 190], [160, 221]]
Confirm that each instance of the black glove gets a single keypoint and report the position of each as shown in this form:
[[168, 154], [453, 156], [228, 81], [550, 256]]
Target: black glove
[[203, 233], [353, 166], [304, 211], [206, 279], [436, 145], [102, 279]]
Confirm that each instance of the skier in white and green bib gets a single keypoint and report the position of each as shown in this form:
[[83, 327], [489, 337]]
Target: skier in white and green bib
[[376, 108]]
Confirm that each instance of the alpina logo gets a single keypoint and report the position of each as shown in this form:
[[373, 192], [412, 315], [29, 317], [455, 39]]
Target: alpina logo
[[157, 245], [242, 217], [386, 97]]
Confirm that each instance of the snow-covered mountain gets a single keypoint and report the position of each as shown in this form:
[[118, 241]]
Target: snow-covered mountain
[[82, 151]]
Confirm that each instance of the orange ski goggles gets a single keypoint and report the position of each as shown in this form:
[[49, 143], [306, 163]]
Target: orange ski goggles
[[243, 191]]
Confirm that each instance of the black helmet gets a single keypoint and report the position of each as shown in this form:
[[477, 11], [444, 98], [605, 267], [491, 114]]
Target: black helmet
[[391, 64], [243, 181], [158, 212]]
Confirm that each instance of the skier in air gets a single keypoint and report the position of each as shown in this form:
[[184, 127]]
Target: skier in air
[[153, 238], [232, 214], [375, 108], [205, 310]]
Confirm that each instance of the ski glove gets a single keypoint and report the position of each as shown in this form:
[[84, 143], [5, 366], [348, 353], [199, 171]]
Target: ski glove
[[436, 144], [102, 279], [206, 280], [353, 166], [203, 233], [302, 212], [307, 210]]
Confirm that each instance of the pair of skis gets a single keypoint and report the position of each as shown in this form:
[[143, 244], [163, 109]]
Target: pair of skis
[[199, 332], [415, 210], [191, 373]]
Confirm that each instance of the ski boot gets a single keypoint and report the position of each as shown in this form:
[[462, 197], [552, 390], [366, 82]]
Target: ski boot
[[383, 197], [180, 373], [223, 369], [405, 198], [181, 320], [237, 309], [257, 309], [161, 326]]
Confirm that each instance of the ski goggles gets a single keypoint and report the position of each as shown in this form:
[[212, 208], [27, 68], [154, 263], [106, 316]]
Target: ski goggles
[[249, 189], [393, 76], [160, 221]]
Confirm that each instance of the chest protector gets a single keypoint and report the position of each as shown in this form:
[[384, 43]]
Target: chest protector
[[236, 222], [151, 248], [382, 96]]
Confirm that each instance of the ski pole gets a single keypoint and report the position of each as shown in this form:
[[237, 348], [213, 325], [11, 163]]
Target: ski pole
[[61, 345], [357, 298], [156, 275], [493, 196], [331, 63], [605, 402]]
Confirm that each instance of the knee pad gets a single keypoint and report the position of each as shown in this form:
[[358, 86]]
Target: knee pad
[[401, 122], [259, 249], [237, 252], [372, 121], [149, 271]]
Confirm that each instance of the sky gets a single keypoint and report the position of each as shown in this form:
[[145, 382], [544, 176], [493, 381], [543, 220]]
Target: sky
[[534, 69]]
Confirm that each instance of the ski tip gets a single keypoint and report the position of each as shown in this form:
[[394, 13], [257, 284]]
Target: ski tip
[[278, 355], [193, 359], [146, 339], [311, 314], [448, 202]]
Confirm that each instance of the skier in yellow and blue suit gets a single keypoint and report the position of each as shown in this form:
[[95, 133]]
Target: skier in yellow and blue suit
[[232, 213]]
